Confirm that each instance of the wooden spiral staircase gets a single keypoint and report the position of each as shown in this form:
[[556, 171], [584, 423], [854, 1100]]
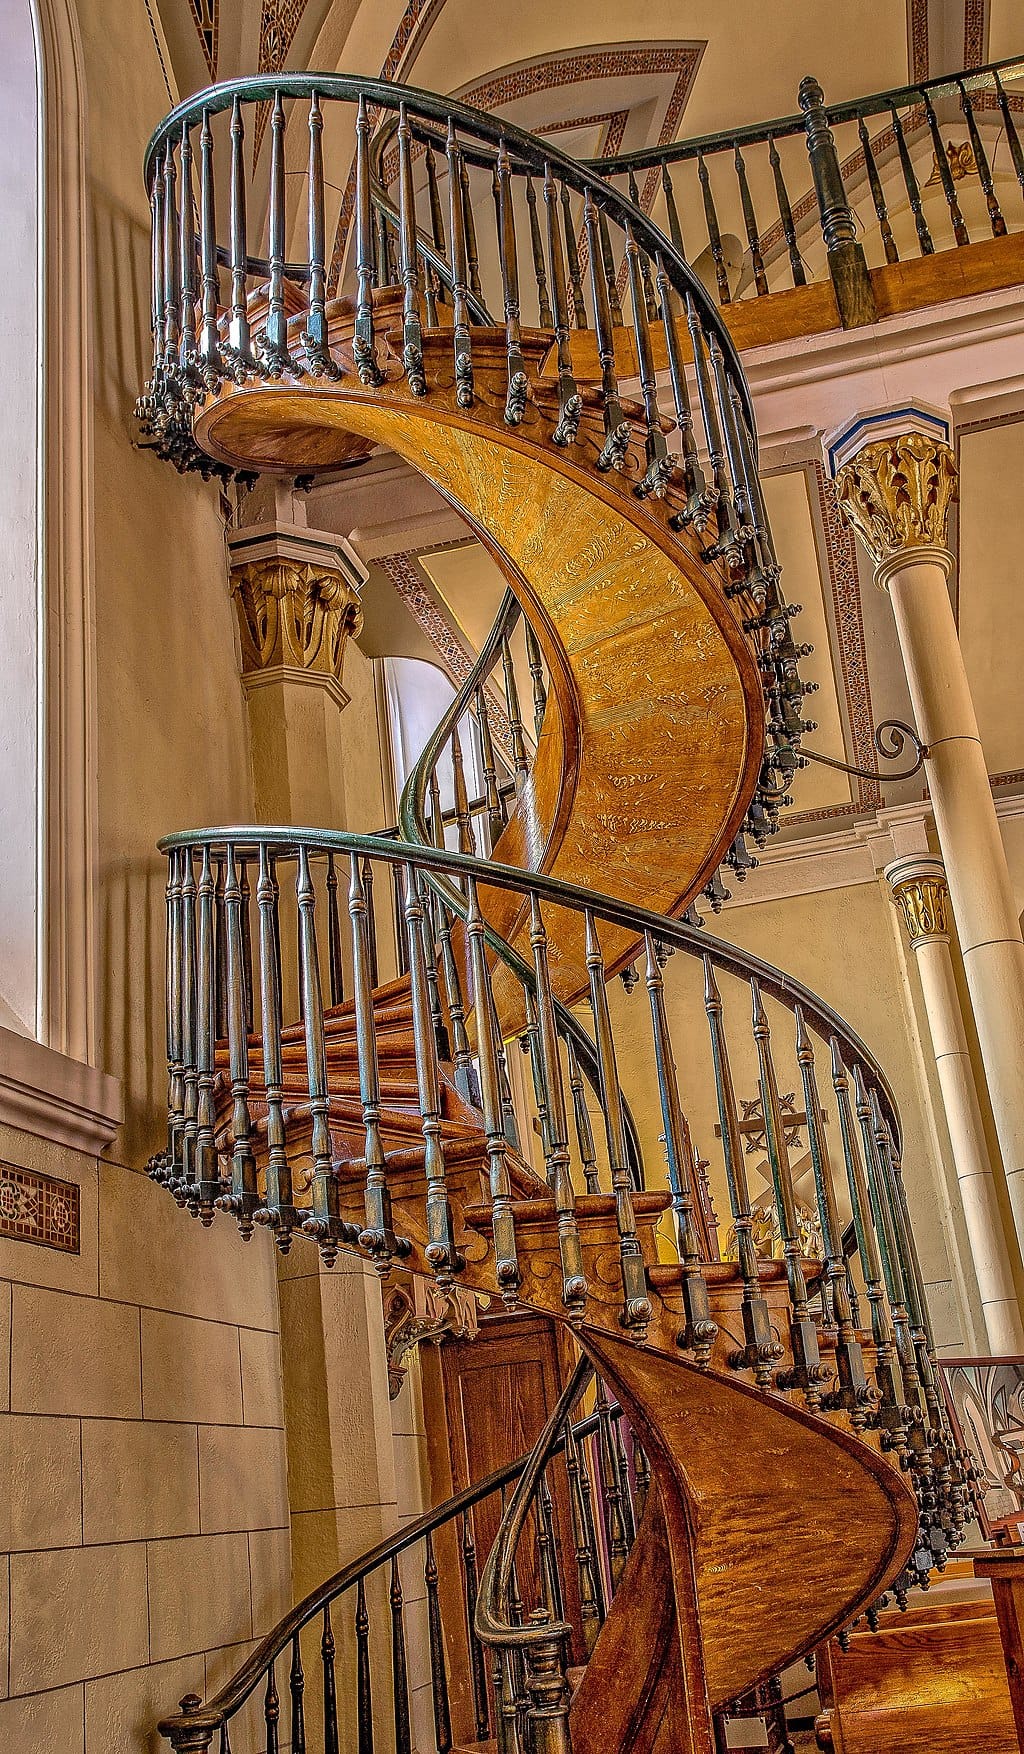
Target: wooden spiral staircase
[[379, 1117]]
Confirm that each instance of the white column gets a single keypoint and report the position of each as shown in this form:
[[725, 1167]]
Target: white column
[[919, 890], [896, 492]]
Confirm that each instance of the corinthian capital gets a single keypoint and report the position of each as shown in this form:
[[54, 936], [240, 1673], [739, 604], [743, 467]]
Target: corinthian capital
[[297, 601], [896, 493], [919, 890]]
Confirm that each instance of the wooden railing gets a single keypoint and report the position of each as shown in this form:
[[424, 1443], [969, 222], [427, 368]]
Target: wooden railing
[[838, 189]]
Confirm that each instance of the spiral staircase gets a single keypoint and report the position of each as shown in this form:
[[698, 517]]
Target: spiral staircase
[[524, 336]]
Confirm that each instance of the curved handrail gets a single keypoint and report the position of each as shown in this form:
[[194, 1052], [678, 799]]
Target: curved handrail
[[695, 942], [850, 110], [527, 153]]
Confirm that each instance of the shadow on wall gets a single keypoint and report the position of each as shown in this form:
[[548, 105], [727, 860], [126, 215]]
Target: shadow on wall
[[121, 302], [132, 1012]]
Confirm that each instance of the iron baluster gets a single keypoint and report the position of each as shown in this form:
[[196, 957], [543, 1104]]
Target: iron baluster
[[625, 1487], [546, 1522], [892, 1272], [700, 1330], [364, 1684], [431, 962], [330, 1691], [412, 334], [172, 266], [760, 1349], [493, 801], [187, 252], [572, 257], [325, 1222], [574, 1284], [877, 194], [506, 1264], [520, 764], [275, 357], [924, 236], [466, 1082], [436, 213], [436, 813], [209, 341], [586, 1568], [659, 463], [463, 818], [399, 1664], [441, 1254], [636, 1310], [438, 1668], [371, 922], [246, 913], [476, 1655], [175, 1009], [642, 1477], [611, 278], [536, 663], [617, 430], [189, 1122], [675, 230], [222, 955], [611, 1490], [363, 350], [698, 506], [855, 296], [515, 401], [852, 1393], [471, 249], [243, 1199], [729, 543], [960, 231], [913, 1291], [271, 1711], [207, 1176], [643, 265], [460, 274], [1012, 137], [544, 316], [378, 1237], [996, 219], [239, 337], [296, 1688], [277, 1209], [714, 232], [750, 225], [157, 265], [318, 354], [786, 214], [570, 403], [581, 1116], [335, 966]]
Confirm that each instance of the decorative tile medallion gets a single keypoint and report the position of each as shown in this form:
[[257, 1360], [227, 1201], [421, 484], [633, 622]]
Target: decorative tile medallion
[[40, 1209]]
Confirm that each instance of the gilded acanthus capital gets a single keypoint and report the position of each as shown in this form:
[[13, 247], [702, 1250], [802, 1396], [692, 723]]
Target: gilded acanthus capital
[[294, 614], [896, 493], [920, 892]]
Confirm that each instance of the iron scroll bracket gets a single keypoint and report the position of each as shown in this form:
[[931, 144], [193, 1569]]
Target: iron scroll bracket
[[890, 739]]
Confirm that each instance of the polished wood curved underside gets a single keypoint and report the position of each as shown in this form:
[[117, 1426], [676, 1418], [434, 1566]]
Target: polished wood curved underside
[[654, 731]]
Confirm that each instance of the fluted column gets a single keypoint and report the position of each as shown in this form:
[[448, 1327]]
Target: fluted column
[[920, 892], [895, 490]]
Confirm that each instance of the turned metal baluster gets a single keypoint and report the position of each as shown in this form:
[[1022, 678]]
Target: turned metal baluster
[[570, 403], [807, 1371], [786, 214], [572, 258], [247, 972], [438, 1667], [877, 195], [436, 813], [271, 1712], [611, 278], [314, 340], [535, 660], [175, 1018], [466, 1082], [1012, 137], [335, 966], [529, 1043], [760, 1348], [659, 463], [399, 1664], [891, 1411], [625, 1485], [172, 266], [222, 955], [378, 1237], [552, 1568], [714, 232], [296, 1688], [243, 1198], [617, 430], [470, 224], [438, 238], [996, 219], [441, 1253], [506, 1264], [325, 1222], [239, 337], [852, 1393], [207, 1176], [520, 764], [515, 401], [330, 1683], [544, 316], [363, 351], [476, 1655], [186, 1175], [277, 1210], [156, 202], [209, 337], [187, 252], [591, 1612], [386, 275], [492, 797], [924, 236], [275, 355], [650, 302], [728, 543], [698, 507], [960, 231], [700, 1330], [463, 818], [574, 1284], [412, 334], [364, 1685], [611, 1489], [458, 204], [750, 225], [913, 1278], [675, 230], [642, 1476], [431, 957], [892, 1267], [636, 1309], [581, 1115]]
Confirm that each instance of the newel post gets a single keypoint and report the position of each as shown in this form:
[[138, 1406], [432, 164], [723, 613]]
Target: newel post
[[846, 264], [548, 1691], [184, 1736]]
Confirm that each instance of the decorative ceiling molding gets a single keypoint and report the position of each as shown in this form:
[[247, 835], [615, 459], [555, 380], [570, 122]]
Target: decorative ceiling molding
[[206, 15]]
